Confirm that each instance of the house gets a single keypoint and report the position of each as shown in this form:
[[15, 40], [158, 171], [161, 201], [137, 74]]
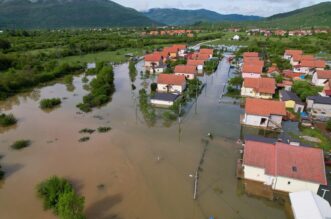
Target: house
[[309, 66], [252, 70], [266, 114], [284, 167], [171, 83], [189, 71], [208, 52], [320, 77], [153, 60], [289, 53], [263, 88], [273, 70], [287, 85], [236, 38], [181, 49], [326, 92], [172, 51], [293, 75], [319, 107], [292, 101], [199, 64], [307, 205], [164, 99], [280, 32]]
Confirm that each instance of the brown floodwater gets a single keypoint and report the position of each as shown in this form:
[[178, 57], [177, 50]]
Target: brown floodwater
[[144, 171]]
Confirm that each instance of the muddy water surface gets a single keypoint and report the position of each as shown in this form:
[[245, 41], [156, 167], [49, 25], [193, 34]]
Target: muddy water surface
[[134, 171]]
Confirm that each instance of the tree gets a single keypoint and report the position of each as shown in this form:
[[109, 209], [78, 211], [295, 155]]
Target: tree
[[236, 81], [4, 44], [71, 206]]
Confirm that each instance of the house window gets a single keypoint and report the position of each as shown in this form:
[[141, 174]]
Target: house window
[[294, 169], [289, 182], [263, 121]]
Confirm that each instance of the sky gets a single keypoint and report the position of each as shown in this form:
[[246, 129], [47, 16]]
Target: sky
[[247, 7]]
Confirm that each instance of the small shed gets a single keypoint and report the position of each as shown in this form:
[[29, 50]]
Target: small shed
[[164, 99]]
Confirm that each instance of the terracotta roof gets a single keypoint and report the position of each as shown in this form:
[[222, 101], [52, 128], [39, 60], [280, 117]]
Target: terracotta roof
[[187, 69], [154, 57], [170, 49], [204, 57], [171, 79], [286, 160], [291, 74], [251, 54], [291, 52], [296, 57], [253, 61], [285, 83], [323, 74], [195, 62], [206, 51], [252, 68], [265, 107], [307, 57], [313, 63], [261, 85]]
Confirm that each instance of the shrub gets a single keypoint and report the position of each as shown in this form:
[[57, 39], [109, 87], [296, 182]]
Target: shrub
[[7, 120], [328, 125], [153, 87], [50, 103], [169, 116], [104, 129], [20, 144], [84, 139], [89, 131], [68, 79], [58, 194]]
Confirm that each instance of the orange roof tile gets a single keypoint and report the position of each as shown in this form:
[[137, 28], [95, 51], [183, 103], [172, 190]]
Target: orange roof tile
[[323, 74], [154, 57], [292, 52], [206, 51], [252, 68], [187, 69], [261, 85], [171, 79], [265, 107], [251, 54], [195, 62]]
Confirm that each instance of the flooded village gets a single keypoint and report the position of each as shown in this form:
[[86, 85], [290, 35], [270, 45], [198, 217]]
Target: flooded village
[[191, 132]]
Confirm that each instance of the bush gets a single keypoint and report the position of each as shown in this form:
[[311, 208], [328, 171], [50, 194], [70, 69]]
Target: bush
[[104, 129], [169, 116], [68, 79], [50, 103], [153, 87], [58, 194], [328, 125], [84, 139], [89, 131], [18, 145], [7, 120]]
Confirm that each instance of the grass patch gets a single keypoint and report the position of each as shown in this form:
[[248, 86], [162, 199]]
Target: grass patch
[[104, 129], [20, 144], [50, 103], [7, 120], [84, 139], [316, 133]]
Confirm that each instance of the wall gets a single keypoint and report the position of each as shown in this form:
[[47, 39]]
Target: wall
[[173, 88], [162, 103], [188, 76], [254, 173], [318, 82], [249, 92], [281, 184], [255, 120]]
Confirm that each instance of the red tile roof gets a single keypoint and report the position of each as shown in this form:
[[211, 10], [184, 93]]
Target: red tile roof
[[261, 85], [324, 74], [265, 107], [251, 54], [253, 61], [195, 62], [171, 79], [252, 68], [279, 159], [154, 57], [307, 57], [179, 46], [206, 51], [204, 57], [273, 69], [291, 74], [187, 69], [170, 49], [313, 63]]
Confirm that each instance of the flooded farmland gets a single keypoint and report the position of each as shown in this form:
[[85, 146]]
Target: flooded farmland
[[134, 171]]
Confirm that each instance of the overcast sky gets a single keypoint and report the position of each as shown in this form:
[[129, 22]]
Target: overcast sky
[[247, 7]]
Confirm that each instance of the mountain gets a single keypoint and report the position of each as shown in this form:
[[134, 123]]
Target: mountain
[[172, 16], [317, 15], [68, 13]]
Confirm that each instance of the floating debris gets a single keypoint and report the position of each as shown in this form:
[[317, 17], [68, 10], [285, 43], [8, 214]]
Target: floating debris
[[98, 117], [101, 186]]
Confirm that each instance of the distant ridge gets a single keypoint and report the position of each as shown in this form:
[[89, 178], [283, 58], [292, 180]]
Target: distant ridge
[[68, 13], [172, 16]]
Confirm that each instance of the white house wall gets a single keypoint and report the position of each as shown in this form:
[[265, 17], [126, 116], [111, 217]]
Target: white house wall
[[293, 185], [173, 88]]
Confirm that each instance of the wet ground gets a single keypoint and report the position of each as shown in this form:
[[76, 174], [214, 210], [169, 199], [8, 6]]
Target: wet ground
[[134, 171]]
